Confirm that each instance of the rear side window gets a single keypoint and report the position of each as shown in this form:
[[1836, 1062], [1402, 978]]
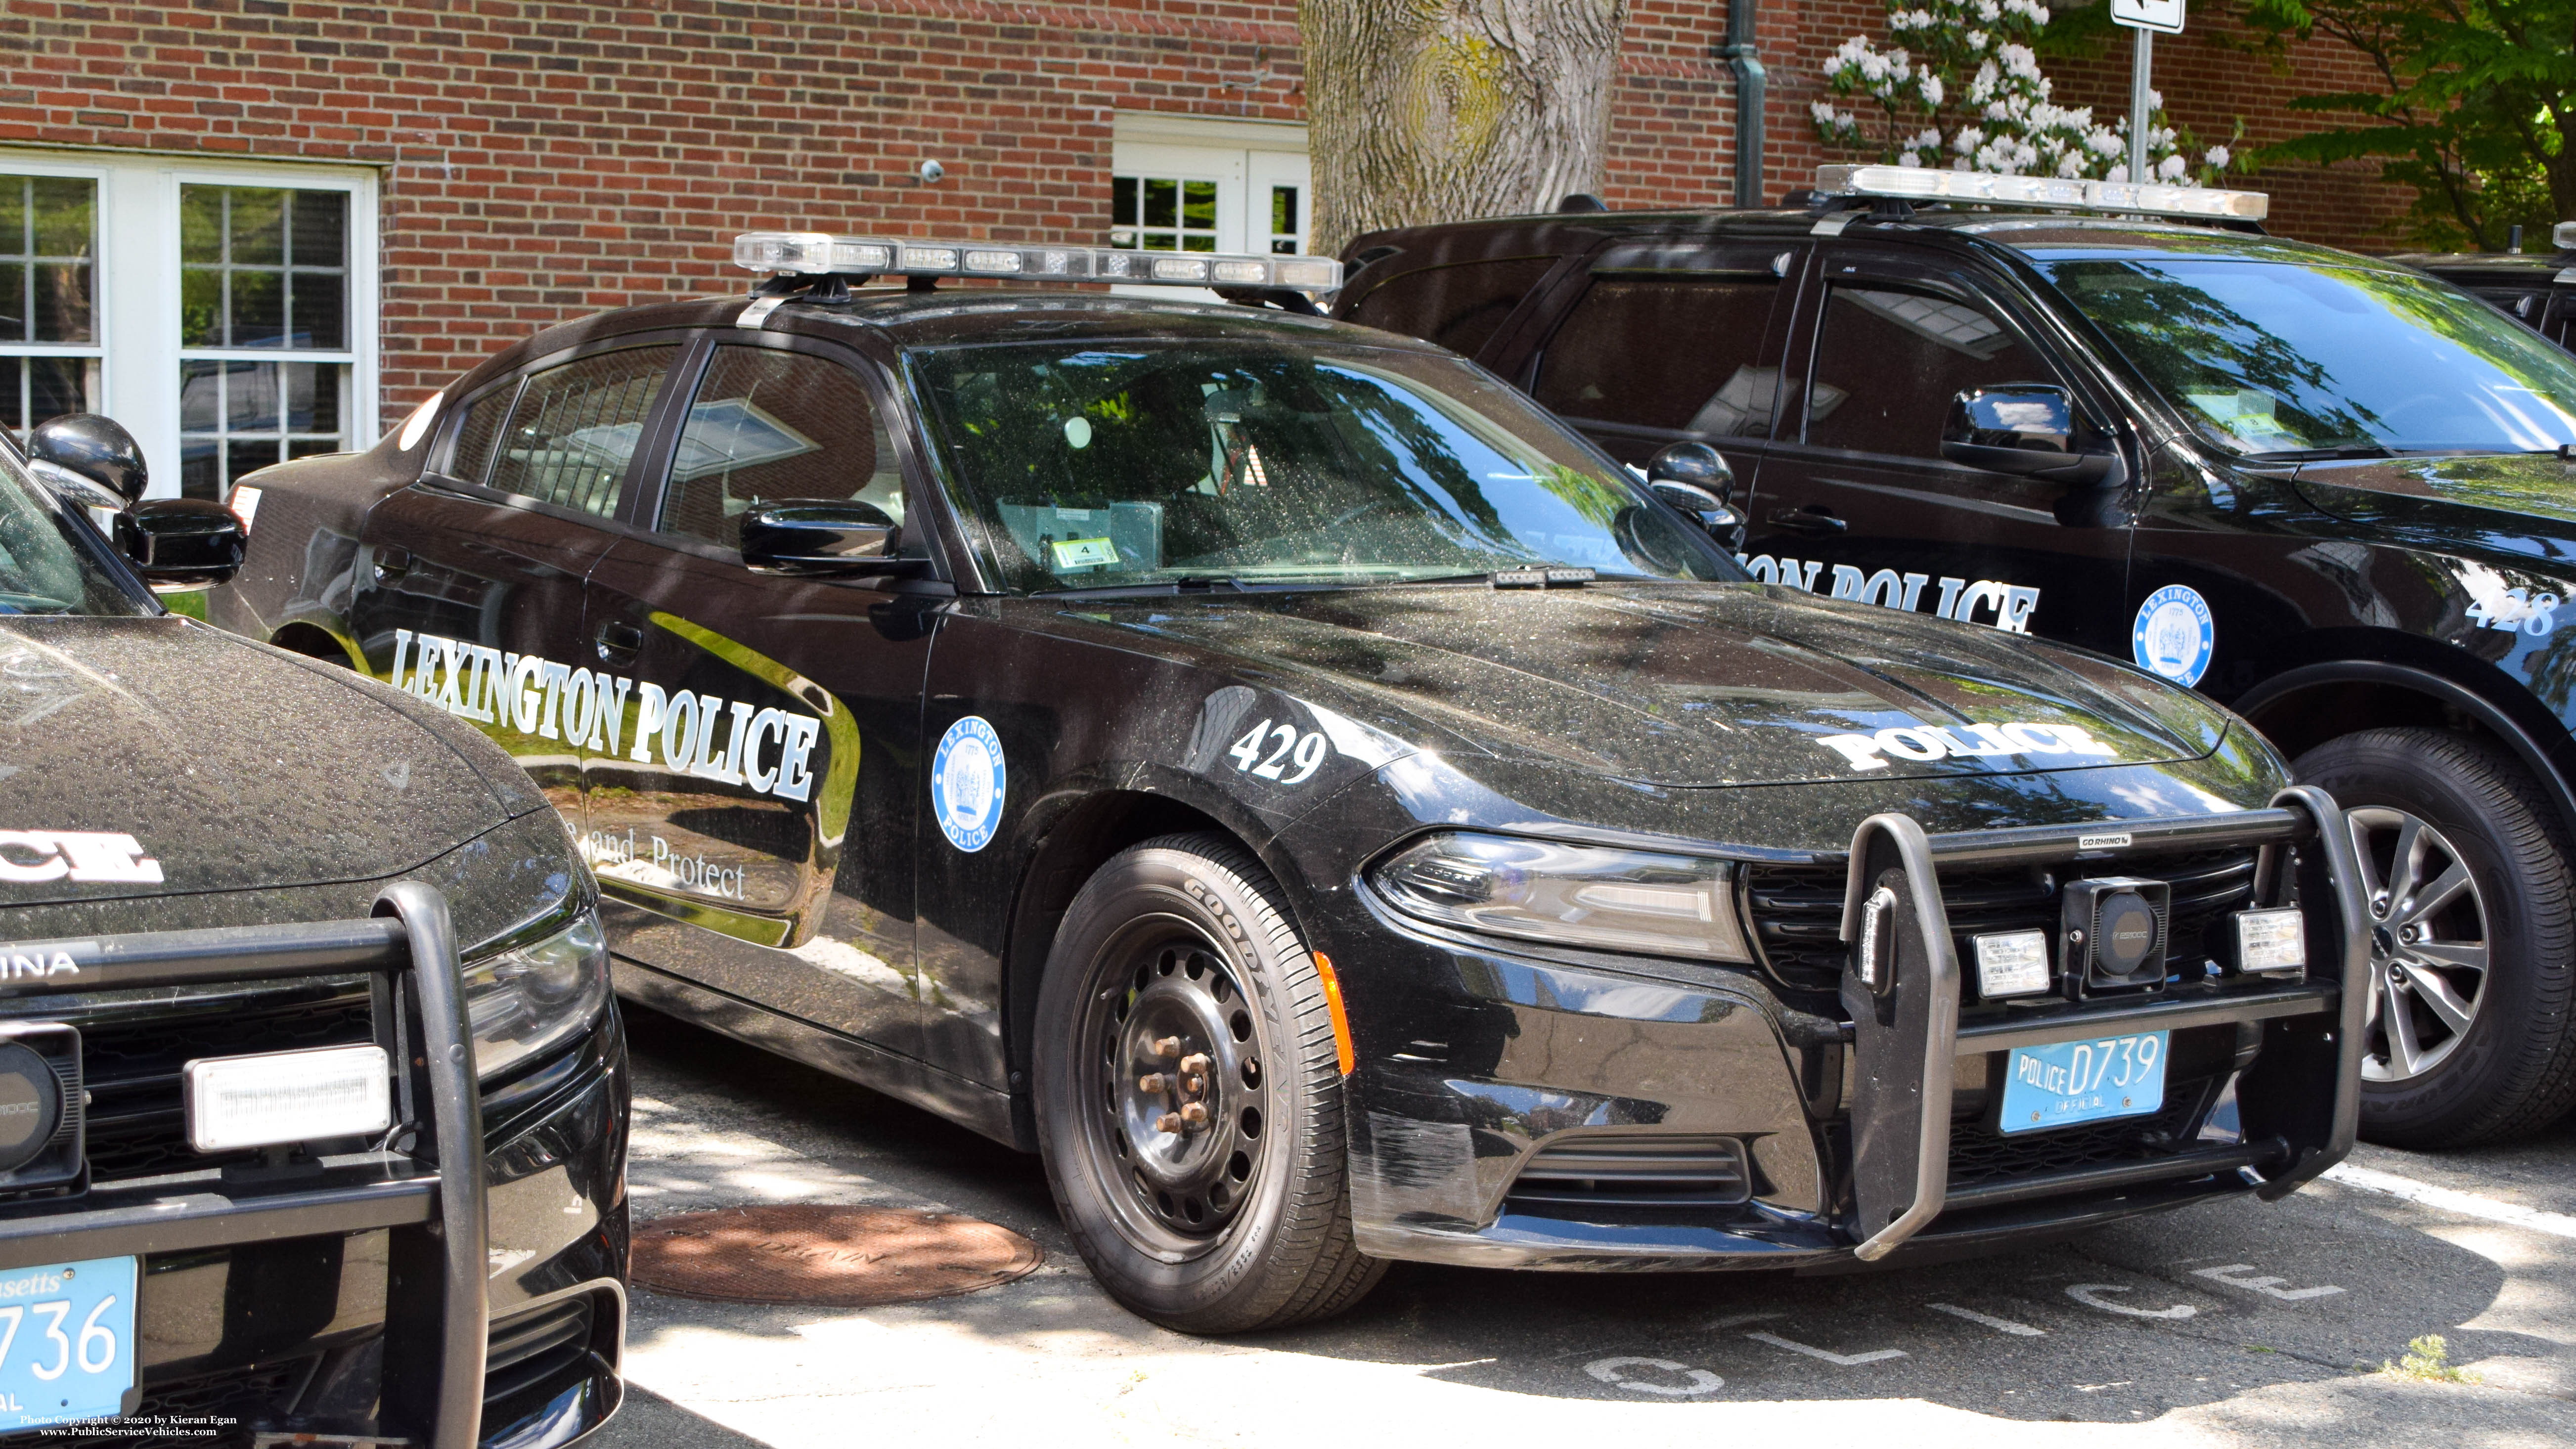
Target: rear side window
[[1662, 350], [769, 426], [576, 428], [1460, 306], [470, 460], [1889, 361]]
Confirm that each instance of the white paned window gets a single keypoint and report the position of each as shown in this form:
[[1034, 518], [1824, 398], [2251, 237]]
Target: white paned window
[[1199, 184], [225, 315]]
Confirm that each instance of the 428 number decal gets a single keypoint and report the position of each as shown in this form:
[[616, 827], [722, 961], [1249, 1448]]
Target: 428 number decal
[[1279, 752], [2519, 611]]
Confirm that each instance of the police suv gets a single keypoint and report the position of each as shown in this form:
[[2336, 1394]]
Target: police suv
[[2538, 288], [1318, 801], [312, 1096], [2326, 490]]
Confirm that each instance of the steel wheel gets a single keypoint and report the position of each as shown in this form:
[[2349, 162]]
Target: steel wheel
[[1175, 1069], [2428, 944]]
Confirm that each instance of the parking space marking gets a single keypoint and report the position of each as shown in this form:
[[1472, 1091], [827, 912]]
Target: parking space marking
[[2269, 1287], [1846, 1360], [1697, 1382], [2088, 1295], [1999, 1325], [2451, 1200]]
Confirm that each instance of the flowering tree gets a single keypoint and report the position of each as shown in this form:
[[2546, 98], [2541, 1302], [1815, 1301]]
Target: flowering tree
[[1959, 86]]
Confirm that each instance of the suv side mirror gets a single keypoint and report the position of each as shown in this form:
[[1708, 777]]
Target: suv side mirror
[[88, 460], [182, 543], [1695, 480], [800, 536], [2029, 430]]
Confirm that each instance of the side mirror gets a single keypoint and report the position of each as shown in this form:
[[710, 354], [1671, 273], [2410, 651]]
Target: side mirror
[[797, 536], [1695, 480], [182, 543], [2028, 430], [88, 460]]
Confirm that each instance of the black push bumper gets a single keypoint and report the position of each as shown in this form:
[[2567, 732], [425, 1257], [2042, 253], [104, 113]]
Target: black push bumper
[[1524, 1111], [425, 1192]]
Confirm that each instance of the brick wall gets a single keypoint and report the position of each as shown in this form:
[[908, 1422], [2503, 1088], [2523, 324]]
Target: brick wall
[[545, 160]]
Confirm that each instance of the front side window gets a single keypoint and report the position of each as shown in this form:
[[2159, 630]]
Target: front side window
[[45, 566], [49, 343], [769, 426], [265, 359], [576, 426], [1889, 359], [2277, 358], [1146, 462], [1664, 350]]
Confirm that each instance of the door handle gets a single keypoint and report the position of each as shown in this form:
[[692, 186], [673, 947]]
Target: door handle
[[1810, 519], [617, 642], [391, 563]]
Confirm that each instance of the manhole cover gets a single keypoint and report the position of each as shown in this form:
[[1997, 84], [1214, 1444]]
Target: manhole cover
[[839, 1257]]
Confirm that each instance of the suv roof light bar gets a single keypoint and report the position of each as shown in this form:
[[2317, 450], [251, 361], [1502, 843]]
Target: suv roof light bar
[[1924, 183], [814, 253]]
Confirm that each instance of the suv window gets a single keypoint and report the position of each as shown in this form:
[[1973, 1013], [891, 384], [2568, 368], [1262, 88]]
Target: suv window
[[1889, 359], [770, 425], [1460, 306], [471, 457], [1666, 351], [576, 426]]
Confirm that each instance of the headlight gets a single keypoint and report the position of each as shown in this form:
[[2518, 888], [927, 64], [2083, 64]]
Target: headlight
[[1572, 895], [529, 1000]]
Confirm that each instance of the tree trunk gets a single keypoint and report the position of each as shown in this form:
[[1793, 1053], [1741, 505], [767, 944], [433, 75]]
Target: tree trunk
[[1442, 110]]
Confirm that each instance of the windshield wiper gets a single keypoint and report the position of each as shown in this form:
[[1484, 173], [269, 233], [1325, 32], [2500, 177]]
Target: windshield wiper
[[2325, 455]]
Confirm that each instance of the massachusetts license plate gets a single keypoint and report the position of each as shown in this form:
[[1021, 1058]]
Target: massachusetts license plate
[[2068, 1082], [66, 1342]]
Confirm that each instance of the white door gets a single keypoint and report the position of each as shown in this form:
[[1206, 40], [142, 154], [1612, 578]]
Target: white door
[[1183, 184]]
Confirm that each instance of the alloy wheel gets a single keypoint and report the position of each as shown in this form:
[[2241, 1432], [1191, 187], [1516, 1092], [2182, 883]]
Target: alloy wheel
[[2428, 944]]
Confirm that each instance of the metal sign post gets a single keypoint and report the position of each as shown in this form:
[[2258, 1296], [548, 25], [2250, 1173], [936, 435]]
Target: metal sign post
[[2148, 18]]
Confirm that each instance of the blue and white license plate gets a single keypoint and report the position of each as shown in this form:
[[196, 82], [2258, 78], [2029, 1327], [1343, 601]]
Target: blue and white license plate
[[66, 1342], [2069, 1082]]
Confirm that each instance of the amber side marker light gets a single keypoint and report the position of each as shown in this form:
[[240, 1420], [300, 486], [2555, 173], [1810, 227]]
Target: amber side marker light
[[1333, 1004]]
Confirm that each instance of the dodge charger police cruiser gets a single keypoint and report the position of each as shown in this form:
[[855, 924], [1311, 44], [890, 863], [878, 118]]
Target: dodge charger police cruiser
[[2324, 489], [312, 1095], [1321, 804]]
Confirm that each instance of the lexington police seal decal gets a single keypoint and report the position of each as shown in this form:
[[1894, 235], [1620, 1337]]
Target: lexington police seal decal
[[2174, 635], [966, 783]]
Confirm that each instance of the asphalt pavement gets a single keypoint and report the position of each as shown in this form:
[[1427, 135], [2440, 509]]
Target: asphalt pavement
[[2232, 1324]]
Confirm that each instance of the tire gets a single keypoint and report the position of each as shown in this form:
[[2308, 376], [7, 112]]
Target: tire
[[1238, 1222], [2487, 853]]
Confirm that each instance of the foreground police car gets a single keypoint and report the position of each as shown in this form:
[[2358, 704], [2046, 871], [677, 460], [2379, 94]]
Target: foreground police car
[[2322, 488], [312, 1099], [1318, 801]]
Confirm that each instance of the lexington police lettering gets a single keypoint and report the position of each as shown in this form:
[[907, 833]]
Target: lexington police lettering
[[540, 697], [1960, 599]]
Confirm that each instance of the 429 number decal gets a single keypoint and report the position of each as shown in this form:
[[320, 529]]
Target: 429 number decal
[[1279, 752], [2519, 611]]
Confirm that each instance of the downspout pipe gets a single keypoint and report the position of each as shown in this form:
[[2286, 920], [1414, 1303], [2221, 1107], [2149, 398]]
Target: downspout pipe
[[1738, 54]]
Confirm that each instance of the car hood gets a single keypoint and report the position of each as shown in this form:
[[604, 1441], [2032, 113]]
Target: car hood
[[2536, 486], [230, 766], [1691, 684]]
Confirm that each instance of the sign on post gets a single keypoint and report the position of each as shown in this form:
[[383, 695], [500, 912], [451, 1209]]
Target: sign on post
[[2161, 16]]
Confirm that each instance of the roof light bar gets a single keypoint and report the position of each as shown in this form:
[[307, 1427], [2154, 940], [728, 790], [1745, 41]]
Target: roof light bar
[[2563, 236], [814, 253], [1924, 183]]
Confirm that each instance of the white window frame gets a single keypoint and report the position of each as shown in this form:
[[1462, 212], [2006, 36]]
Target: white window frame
[[137, 290], [1242, 157]]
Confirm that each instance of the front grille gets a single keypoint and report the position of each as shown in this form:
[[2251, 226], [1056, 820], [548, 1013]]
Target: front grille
[[537, 1347], [246, 1396], [1797, 910], [1633, 1169], [132, 1057], [1979, 1153]]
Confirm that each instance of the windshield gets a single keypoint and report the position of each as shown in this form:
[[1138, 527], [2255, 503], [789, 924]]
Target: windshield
[[2275, 357], [1129, 463], [45, 566]]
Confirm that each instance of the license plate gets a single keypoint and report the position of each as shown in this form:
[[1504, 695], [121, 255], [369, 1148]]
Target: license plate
[[66, 1342], [2068, 1082]]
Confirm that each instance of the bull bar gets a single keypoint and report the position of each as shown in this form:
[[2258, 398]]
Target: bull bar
[[430, 1198], [1905, 1052]]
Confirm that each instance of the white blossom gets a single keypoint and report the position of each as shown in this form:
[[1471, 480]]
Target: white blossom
[[2217, 157], [2172, 168], [1932, 89]]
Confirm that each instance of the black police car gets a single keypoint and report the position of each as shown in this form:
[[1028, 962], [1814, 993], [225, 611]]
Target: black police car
[[2321, 488], [1323, 805], [312, 1096], [2538, 288]]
